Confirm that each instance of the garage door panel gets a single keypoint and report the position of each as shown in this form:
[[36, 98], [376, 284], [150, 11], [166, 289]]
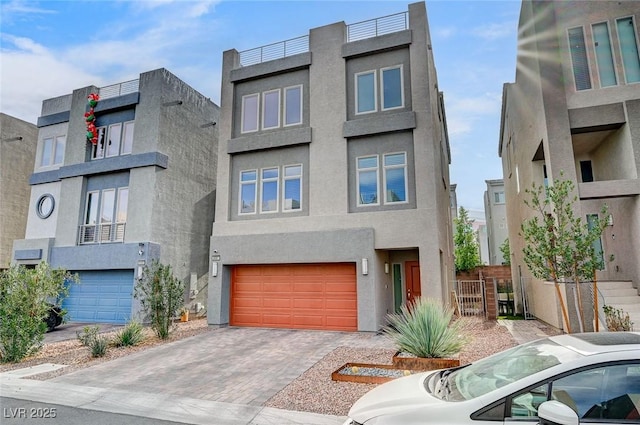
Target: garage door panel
[[299, 296]]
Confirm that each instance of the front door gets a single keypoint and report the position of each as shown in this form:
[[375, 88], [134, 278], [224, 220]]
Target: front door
[[412, 273]]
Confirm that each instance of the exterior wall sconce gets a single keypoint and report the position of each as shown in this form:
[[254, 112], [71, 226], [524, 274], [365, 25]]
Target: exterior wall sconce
[[140, 249], [365, 266], [215, 257], [140, 268], [172, 103], [386, 268]]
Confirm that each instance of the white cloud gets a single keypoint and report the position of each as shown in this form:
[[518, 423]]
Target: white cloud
[[496, 31], [445, 32], [16, 7]]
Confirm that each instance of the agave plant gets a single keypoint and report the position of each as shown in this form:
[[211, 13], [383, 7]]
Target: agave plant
[[425, 328]]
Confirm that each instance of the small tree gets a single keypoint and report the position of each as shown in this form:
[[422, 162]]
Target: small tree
[[505, 250], [161, 294], [559, 246], [467, 254], [26, 295]]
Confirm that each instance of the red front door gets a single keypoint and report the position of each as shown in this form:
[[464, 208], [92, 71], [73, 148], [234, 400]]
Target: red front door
[[412, 276]]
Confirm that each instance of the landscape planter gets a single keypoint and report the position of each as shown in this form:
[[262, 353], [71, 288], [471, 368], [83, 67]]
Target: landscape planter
[[423, 363], [362, 377]]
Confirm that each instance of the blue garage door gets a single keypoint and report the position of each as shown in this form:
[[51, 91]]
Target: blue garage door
[[101, 297]]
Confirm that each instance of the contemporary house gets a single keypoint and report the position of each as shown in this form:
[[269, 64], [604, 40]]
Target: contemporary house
[[495, 212], [574, 113], [333, 197], [119, 183], [18, 140]]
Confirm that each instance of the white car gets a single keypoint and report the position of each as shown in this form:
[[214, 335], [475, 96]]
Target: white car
[[597, 375]]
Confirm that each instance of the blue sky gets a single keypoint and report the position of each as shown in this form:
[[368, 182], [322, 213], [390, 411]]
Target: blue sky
[[49, 48]]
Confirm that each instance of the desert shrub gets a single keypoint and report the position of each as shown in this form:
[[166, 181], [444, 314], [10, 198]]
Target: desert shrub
[[25, 295], [617, 319], [161, 294], [90, 337], [425, 328], [131, 334]]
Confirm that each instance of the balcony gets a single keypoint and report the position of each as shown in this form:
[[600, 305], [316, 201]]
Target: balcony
[[379, 26], [120, 89], [274, 51], [101, 233]]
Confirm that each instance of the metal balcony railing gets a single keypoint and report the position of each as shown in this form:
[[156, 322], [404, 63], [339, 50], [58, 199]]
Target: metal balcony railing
[[101, 233], [120, 89], [274, 51], [379, 26]]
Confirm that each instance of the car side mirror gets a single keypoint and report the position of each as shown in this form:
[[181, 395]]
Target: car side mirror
[[555, 413]]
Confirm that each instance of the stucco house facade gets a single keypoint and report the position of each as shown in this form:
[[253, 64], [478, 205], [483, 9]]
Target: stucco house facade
[[573, 113], [333, 191], [145, 190]]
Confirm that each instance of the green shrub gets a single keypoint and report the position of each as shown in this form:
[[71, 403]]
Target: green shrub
[[161, 294], [99, 346], [617, 319], [24, 304], [425, 329], [131, 334], [88, 335]]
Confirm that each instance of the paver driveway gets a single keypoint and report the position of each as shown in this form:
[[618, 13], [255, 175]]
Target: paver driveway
[[234, 365]]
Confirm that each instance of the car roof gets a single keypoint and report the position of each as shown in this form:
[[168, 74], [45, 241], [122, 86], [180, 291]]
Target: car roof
[[599, 342]]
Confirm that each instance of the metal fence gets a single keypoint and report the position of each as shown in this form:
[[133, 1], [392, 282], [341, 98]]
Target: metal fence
[[470, 297], [274, 51], [101, 233], [120, 89], [379, 26]]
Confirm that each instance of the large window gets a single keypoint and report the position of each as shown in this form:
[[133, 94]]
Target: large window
[[604, 54], [394, 179], [105, 216], [629, 49], [53, 151], [391, 90], [266, 110], [271, 185], [579, 59], [114, 140]]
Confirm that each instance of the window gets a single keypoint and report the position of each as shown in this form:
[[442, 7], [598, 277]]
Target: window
[[293, 105], [498, 197], [579, 59], [629, 49], [271, 109], [114, 140], [270, 181], [292, 188], [604, 55], [248, 180], [367, 169], [586, 171], [395, 177], [392, 93], [53, 151], [592, 220], [366, 92], [269, 192], [250, 113], [105, 216]]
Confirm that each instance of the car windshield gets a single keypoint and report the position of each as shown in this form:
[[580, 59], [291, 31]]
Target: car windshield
[[496, 371]]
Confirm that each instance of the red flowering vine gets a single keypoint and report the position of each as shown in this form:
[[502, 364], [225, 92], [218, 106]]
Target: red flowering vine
[[90, 117]]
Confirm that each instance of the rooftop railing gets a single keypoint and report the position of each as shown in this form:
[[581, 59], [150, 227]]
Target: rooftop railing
[[379, 26], [274, 51], [119, 89]]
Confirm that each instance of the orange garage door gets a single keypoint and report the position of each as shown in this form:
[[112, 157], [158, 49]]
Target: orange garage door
[[300, 296]]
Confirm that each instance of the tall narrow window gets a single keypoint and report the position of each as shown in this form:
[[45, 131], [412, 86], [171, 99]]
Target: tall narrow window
[[629, 49], [269, 193], [121, 213], [113, 144], [604, 55], [127, 137], [99, 147], [586, 171], [58, 157], [47, 152], [597, 244], [248, 180], [366, 92], [579, 59], [91, 216], [292, 188], [367, 174], [271, 109], [250, 113], [392, 93], [293, 105], [395, 177]]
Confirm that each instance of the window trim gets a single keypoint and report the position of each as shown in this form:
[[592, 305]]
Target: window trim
[[573, 73], [107, 153], [54, 150], [375, 92], [613, 60], [384, 178], [87, 210], [285, 106], [103, 133], [125, 126], [382, 70], [255, 191], [264, 95], [359, 202], [242, 113], [637, 36], [270, 180], [284, 180]]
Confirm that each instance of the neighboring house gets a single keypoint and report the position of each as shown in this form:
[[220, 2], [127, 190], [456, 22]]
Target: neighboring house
[[333, 195], [495, 212], [575, 109], [144, 191], [18, 140]]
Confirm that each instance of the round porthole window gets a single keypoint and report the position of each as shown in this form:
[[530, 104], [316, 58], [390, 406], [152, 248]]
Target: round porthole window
[[45, 205]]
